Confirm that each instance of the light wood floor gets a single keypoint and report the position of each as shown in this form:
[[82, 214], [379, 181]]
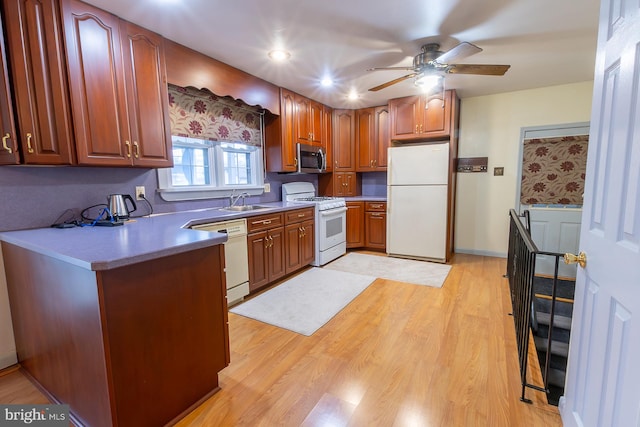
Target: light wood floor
[[398, 355]]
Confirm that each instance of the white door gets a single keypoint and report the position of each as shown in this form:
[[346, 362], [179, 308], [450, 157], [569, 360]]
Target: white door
[[603, 377], [555, 230], [418, 164]]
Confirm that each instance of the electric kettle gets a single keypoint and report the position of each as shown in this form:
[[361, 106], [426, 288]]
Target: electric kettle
[[118, 207]]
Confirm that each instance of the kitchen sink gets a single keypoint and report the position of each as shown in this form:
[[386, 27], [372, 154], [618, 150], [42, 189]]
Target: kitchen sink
[[244, 208]]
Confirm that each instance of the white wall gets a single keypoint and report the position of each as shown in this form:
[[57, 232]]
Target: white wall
[[490, 127], [7, 344]]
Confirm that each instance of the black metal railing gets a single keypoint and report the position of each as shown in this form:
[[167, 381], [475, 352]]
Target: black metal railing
[[521, 266]]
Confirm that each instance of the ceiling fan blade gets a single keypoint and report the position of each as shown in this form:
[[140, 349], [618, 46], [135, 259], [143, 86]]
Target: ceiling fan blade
[[390, 68], [481, 69], [462, 50], [392, 82]]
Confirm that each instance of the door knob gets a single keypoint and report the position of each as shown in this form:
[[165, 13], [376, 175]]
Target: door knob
[[581, 259]]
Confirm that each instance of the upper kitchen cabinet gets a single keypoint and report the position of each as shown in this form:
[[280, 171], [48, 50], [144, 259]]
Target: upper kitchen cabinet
[[280, 138], [308, 121], [372, 138], [34, 38], [344, 152], [421, 118], [9, 150], [327, 135], [119, 97]]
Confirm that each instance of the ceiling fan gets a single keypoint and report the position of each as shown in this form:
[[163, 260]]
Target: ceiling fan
[[432, 61]]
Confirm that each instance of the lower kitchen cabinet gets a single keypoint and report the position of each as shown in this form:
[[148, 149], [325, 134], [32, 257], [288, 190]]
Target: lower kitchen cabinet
[[299, 239], [375, 225], [123, 346], [266, 245], [355, 224]]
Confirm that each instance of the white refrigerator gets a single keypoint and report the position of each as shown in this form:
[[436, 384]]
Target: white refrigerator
[[417, 178]]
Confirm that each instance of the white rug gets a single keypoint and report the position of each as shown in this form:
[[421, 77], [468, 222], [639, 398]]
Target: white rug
[[398, 269], [307, 301]]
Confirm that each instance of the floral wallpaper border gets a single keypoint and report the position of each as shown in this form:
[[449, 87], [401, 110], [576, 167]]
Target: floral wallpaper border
[[201, 114], [553, 170]]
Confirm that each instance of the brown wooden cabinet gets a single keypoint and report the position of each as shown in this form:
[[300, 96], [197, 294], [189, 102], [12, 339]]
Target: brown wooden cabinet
[[35, 39], [308, 121], [266, 246], [9, 148], [372, 138], [339, 184], [375, 225], [420, 118], [137, 345], [343, 141], [119, 97], [280, 138], [327, 135], [299, 239], [355, 224]]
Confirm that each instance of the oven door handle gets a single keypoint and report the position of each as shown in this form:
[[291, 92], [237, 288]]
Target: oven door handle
[[333, 212]]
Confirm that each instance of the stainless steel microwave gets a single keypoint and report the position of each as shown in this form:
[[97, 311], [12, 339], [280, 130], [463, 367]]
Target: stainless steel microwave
[[311, 159]]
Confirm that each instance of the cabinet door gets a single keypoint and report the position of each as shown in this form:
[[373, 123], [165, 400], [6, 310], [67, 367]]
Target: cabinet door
[[288, 129], [258, 246], [382, 137], [307, 246], [9, 149], [375, 230], [98, 93], [147, 96], [350, 184], [315, 123], [436, 116], [405, 117], [276, 254], [343, 140], [302, 114], [34, 36], [365, 140], [355, 224], [293, 241], [327, 135]]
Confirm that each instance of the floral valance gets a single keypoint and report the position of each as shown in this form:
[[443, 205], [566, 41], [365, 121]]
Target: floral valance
[[201, 114], [553, 170]]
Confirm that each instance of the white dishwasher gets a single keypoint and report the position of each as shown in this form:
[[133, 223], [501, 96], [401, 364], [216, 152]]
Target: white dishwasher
[[236, 256]]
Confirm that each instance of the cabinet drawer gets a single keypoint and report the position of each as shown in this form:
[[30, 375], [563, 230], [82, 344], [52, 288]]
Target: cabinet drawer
[[298, 215], [263, 222], [375, 206]]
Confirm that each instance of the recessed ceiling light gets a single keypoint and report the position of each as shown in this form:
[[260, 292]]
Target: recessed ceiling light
[[326, 82], [353, 95], [279, 55]]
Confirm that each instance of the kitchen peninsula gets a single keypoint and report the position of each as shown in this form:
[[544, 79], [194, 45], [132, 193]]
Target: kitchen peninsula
[[126, 324]]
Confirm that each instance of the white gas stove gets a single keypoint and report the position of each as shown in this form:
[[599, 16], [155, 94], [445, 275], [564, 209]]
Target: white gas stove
[[330, 220]]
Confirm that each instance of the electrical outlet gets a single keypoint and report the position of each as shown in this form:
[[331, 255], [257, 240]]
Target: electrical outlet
[[140, 192], [267, 187]]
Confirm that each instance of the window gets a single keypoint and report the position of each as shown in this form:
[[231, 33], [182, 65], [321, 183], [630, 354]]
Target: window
[[205, 169], [217, 147]]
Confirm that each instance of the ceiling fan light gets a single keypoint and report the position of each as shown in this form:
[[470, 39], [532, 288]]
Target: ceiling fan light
[[428, 81]]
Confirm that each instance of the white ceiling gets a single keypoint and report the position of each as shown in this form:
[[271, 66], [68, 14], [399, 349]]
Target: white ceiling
[[546, 42]]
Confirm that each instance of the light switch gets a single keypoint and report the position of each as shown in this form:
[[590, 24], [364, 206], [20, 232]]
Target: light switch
[[498, 171]]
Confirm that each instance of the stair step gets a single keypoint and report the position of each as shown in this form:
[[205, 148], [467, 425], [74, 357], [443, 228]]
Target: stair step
[[558, 321], [557, 347], [556, 377]]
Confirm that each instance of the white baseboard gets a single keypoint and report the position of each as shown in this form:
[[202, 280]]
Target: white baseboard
[[480, 252], [8, 359]]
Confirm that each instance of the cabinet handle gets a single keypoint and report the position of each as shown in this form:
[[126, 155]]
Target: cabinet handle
[[420, 128], [376, 206], [295, 162], [300, 232], [271, 240], [300, 215], [416, 128], [375, 163], [4, 142], [336, 163], [136, 150], [266, 222], [378, 215], [29, 147], [128, 145], [371, 163]]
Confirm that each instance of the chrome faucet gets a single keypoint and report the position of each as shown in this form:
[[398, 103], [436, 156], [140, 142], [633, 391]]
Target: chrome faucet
[[233, 198]]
